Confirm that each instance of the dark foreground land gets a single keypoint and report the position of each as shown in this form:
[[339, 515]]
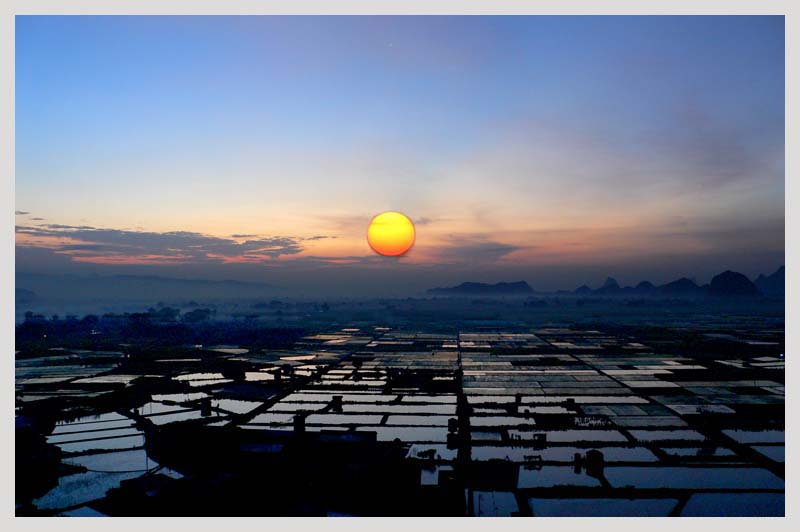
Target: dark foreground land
[[405, 408]]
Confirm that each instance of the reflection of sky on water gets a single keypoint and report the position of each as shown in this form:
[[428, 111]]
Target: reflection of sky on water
[[601, 507]]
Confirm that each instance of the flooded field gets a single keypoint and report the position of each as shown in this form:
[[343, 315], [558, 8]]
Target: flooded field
[[550, 421]]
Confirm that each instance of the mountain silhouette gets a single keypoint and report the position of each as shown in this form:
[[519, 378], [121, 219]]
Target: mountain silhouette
[[681, 287], [610, 287], [483, 289], [728, 284], [773, 285], [732, 284], [583, 290], [645, 287], [610, 283]]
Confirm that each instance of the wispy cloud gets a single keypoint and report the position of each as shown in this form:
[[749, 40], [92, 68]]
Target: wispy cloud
[[118, 246], [472, 249]]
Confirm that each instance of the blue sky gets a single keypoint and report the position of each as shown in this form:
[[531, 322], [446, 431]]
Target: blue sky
[[524, 145]]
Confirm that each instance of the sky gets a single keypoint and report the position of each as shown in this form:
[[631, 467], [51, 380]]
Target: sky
[[558, 150]]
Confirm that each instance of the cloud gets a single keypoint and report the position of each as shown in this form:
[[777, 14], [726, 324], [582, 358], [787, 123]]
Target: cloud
[[118, 246], [424, 220], [319, 237], [86, 247], [61, 226], [472, 249], [21, 213]]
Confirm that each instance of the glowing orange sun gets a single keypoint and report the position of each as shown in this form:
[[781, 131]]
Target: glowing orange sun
[[391, 234]]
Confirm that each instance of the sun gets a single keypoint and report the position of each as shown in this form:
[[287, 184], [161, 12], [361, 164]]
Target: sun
[[391, 234]]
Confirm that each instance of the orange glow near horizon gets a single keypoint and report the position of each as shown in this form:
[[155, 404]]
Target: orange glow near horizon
[[457, 237], [391, 234]]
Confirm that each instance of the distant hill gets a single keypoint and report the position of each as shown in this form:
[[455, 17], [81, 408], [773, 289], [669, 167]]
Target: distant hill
[[583, 290], [483, 289], [680, 287], [773, 285], [728, 284], [610, 287], [732, 284]]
